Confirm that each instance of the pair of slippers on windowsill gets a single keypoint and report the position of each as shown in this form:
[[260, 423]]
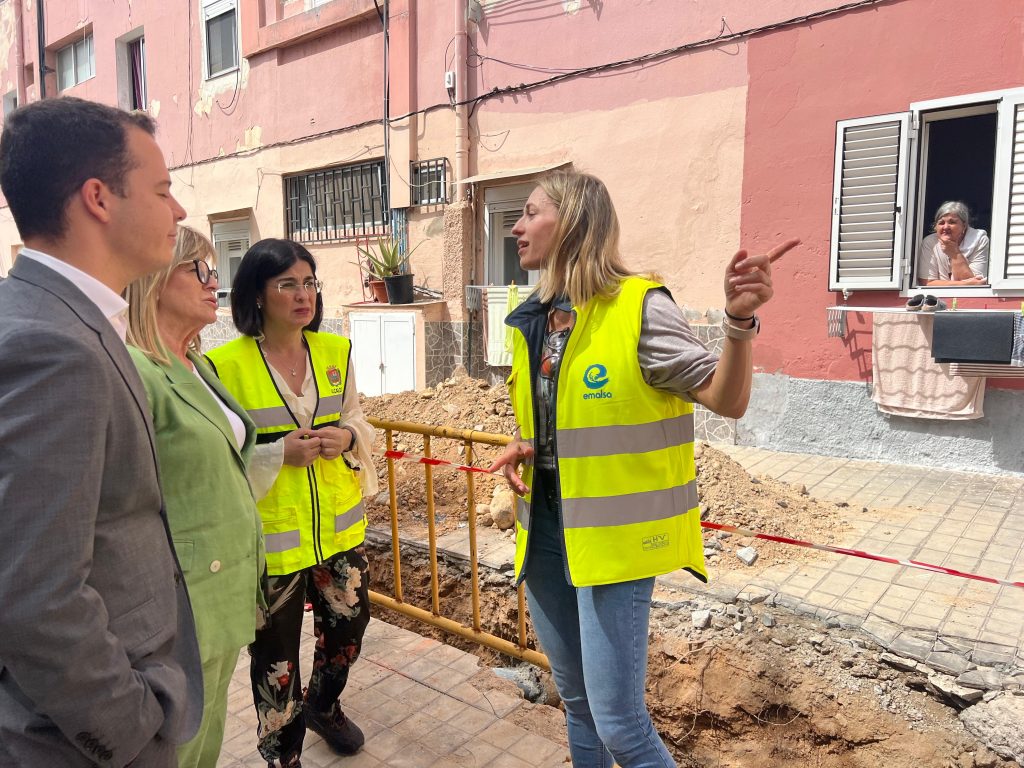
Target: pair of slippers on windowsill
[[925, 303]]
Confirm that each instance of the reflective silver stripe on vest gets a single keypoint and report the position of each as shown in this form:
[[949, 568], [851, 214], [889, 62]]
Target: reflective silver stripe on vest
[[329, 404], [523, 513], [643, 507], [277, 416], [347, 520], [630, 438], [281, 542]]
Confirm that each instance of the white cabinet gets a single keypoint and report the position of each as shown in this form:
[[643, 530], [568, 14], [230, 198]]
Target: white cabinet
[[383, 351]]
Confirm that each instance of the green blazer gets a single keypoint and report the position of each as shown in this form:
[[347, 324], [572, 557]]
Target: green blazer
[[210, 508]]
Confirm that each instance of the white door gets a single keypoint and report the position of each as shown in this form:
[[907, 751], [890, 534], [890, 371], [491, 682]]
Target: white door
[[383, 351], [398, 340]]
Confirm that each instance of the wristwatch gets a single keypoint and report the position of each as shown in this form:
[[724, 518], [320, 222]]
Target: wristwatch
[[741, 334]]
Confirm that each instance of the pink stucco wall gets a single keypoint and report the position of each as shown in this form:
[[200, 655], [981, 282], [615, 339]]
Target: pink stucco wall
[[802, 80]]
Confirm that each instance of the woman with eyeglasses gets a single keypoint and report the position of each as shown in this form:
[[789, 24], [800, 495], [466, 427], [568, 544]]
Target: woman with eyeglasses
[[204, 439], [312, 438]]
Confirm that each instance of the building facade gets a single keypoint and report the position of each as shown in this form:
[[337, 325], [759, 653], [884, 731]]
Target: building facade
[[715, 125]]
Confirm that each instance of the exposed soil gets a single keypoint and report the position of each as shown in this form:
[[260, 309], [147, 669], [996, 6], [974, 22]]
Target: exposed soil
[[791, 694], [729, 495], [738, 694]]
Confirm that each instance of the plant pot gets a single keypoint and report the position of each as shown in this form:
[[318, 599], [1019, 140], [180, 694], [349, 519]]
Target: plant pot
[[379, 291], [399, 288]]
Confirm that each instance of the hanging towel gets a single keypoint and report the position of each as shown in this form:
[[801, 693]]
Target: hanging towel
[[513, 302], [973, 337], [1017, 355], [907, 382]]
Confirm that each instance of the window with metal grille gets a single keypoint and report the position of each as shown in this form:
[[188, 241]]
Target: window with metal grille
[[429, 182], [337, 203]]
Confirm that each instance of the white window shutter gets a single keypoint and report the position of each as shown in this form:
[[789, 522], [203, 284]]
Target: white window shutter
[[1006, 262], [868, 203]]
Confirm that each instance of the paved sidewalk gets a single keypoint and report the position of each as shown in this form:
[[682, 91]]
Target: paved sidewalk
[[412, 699], [969, 522]]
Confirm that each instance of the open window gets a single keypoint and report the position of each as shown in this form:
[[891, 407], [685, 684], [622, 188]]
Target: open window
[[503, 206], [893, 172], [231, 241]]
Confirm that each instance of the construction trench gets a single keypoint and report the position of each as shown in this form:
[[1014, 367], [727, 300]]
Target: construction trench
[[734, 680]]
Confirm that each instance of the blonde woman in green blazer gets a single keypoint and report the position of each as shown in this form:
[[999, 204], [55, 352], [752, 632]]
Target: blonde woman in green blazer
[[204, 440]]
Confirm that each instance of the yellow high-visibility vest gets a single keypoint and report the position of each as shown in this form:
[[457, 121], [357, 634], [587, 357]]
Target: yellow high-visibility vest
[[310, 513], [624, 451]]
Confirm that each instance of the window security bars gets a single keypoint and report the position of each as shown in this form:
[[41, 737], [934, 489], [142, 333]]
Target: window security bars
[[337, 203], [428, 180]]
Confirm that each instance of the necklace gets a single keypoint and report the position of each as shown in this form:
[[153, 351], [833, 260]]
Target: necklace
[[292, 369]]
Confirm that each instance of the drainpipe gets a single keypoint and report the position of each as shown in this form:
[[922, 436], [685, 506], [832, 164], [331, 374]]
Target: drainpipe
[[461, 110], [41, 31], [387, 96], [19, 51]]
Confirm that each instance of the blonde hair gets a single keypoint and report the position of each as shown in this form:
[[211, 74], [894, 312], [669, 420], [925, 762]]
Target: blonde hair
[[143, 294], [584, 261]]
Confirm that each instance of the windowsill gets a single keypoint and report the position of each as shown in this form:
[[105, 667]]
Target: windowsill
[[952, 292], [316, 22], [80, 82]]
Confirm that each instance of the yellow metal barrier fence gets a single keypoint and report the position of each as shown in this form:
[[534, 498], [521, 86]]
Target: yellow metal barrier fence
[[433, 617]]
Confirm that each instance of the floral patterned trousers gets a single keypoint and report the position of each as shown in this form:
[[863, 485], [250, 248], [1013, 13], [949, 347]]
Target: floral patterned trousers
[[338, 588]]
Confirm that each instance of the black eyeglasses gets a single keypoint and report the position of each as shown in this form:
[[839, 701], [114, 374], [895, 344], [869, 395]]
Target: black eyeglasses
[[204, 272]]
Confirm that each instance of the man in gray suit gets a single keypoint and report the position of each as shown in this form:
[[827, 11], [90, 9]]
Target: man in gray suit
[[98, 658]]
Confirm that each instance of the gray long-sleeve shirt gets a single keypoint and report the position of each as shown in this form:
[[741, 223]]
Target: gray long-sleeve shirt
[[671, 357]]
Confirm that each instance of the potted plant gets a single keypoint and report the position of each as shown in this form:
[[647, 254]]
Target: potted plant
[[387, 262]]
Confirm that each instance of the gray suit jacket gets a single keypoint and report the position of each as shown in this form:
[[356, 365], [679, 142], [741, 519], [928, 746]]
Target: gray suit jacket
[[98, 657]]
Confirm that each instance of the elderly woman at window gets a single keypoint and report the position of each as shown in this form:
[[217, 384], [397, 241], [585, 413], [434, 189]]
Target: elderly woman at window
[[956, 254]]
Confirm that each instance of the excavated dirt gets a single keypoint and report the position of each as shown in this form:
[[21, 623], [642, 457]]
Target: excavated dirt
[[728, 494], [737, 694], [757, 687]]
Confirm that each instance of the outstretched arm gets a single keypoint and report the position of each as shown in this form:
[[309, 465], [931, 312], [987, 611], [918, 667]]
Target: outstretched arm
[[748, 285]]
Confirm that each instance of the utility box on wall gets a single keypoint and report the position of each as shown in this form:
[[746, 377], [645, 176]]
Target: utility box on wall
[[389, 352]]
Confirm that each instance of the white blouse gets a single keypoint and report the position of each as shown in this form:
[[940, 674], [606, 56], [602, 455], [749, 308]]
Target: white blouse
[[269, 458]]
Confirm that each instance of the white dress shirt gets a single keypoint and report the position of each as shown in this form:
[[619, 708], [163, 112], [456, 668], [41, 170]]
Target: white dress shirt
[[113, 307]]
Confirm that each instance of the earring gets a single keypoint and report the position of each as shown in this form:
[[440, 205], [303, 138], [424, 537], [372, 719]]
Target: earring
[[259, 305]]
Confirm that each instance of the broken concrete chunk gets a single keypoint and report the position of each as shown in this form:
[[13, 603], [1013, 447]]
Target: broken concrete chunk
[[898, 662], [996, 724], [701, 619], [748, 555]]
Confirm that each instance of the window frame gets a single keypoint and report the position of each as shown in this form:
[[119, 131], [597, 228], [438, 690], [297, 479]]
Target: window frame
[[329, 230], [214, 9], [1009, 106], [229, 237], [73, 48], [422, 175]]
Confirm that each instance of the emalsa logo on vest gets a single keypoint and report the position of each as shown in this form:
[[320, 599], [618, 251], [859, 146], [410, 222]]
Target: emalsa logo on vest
[[595, 377]]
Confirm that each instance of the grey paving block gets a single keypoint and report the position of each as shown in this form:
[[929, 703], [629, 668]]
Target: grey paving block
[[949, 663], [993, 655], [983, 679], [883, 631], [912, 647]]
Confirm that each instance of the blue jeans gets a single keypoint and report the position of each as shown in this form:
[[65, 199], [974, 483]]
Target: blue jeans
[[596, 641]]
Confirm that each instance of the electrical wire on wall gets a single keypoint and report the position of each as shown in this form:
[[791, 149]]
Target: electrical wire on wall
[[569, 74]]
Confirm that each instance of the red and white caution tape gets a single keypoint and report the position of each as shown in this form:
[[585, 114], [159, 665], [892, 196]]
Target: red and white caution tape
[[403, 456], [860, 553]]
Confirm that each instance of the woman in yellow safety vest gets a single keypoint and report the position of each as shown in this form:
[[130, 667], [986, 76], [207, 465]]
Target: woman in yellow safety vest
[[604, 375], [296, 385]]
